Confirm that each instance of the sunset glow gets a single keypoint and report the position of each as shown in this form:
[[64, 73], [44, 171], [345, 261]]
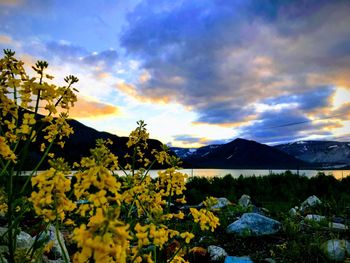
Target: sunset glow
[[197, 72]]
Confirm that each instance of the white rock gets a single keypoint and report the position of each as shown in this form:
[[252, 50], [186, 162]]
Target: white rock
[[311, 201], [24, 240], [253, 224], [50, 235], [293, 212], [245, 201], [231, 259], [316, 218], [216, 253], [336, 249], [338, 226], [222, 202]]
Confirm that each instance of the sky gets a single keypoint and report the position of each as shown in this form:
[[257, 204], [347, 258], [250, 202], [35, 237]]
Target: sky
[[197, 72]]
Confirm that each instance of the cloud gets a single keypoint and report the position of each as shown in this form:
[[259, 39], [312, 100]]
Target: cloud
[[4, 39], [65, 50], [229, 56], [11, 2], [100, 61], [189, 139], [106, 58], [286, 125], [131, 91], [319, 97], [85, 108]]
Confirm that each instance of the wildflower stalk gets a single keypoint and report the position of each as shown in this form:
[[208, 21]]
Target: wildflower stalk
[[176, 252], [60, 243], [37, 166], [11, 236], [65, 257]]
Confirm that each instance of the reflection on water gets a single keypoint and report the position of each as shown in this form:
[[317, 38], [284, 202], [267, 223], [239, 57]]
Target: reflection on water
[[246, 173], [339, 174]]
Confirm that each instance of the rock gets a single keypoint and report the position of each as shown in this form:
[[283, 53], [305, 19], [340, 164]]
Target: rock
[[50, 235], [338, 227], [336, 249], [316, 218], [293, 212], [245, 201], [311, 201], [216, 253], [253, 224], [231, 259], [46, 260], [338, 219], [269, 260], [222, 202], [198, 254], [24, 240]]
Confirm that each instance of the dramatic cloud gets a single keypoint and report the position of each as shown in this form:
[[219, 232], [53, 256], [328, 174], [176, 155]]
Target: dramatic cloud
[[189, 139], [92, 109], [287, 125], [221, 58]]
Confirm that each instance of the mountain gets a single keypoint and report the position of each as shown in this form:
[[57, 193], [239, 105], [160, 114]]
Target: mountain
[[239, 153], [325, 153], [81, 141]]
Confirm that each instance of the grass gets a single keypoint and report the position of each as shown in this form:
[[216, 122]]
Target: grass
[[297, 241]]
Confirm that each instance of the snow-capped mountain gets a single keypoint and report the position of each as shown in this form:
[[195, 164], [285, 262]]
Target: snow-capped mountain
[[322, 152], [239, 153]]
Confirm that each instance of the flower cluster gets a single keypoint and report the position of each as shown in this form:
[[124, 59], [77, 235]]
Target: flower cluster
[[112, 218], [206, 219], [50, 201]]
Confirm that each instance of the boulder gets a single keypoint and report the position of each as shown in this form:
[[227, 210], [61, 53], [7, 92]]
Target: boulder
[[316, 218], [293, 212], [50, 235], [222, 202], [24, 240], [311, 201], [245, 201], [231, 259], [253, 224], [336, 250], [216, 253], [338, 227]]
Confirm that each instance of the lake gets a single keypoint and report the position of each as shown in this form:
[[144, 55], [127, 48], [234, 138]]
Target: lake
[[247, 172], [339, 174]]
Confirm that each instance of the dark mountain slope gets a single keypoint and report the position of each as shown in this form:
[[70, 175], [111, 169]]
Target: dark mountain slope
[[241, 153]]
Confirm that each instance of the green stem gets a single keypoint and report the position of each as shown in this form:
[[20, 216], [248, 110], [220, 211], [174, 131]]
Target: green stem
[[133, 161], [11, 237], [65, 257], [155, 254], [177, 251], [37, 166], [14, 90]]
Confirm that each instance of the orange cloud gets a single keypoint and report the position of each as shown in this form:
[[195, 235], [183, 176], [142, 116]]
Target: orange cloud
[[337, 78], [84, 108], [131, 90], [4, 39], [103, 75], [11, 2]]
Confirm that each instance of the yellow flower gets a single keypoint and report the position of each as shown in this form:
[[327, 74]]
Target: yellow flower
[[5, 150], [206, 219], [187, 236]]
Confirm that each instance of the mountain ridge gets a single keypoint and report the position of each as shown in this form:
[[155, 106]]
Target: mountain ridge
[[239, 153]]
